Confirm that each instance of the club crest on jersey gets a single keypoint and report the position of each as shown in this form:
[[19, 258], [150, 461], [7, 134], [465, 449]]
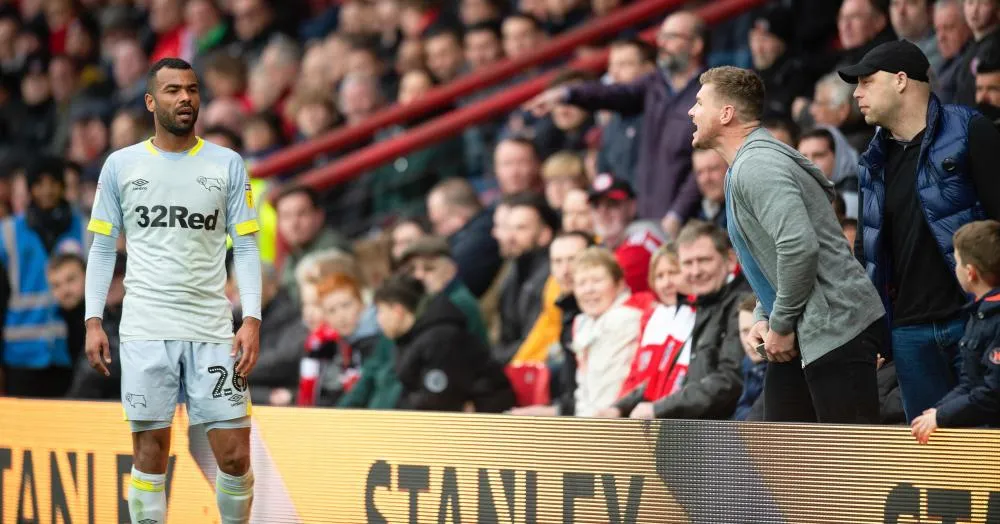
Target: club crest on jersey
[[210, 183]]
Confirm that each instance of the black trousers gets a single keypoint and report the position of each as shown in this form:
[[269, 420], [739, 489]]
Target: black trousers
[[52, 382], [841, 387]]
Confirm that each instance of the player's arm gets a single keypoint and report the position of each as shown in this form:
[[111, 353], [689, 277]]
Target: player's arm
[[242, 224], [106, 224]]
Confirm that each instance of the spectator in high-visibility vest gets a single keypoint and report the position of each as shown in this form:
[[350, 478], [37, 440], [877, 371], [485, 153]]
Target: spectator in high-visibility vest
[[35, 356], [267, 237]]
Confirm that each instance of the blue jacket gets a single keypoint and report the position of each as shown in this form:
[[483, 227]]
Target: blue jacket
[[976, 399], [947, 196], [34, 334], [753, 386]]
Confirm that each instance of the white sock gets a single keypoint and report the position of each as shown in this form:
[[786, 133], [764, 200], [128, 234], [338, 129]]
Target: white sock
[[147, 501], [234, 496]]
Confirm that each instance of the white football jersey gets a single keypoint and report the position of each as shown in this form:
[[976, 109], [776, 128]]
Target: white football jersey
[[175, 210]]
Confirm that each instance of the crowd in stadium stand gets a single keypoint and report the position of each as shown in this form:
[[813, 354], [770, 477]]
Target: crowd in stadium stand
[[569, 258]]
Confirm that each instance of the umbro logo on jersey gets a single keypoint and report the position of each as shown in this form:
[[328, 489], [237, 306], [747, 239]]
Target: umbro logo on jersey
[[140, 184]]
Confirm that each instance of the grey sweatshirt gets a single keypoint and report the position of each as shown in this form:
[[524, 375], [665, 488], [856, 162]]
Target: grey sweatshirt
[[782, 208]]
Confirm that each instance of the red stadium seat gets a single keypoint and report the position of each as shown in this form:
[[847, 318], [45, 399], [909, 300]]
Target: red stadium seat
[[530, 383]]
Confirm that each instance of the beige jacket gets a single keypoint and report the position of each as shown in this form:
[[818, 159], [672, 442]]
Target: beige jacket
[[604, 348]]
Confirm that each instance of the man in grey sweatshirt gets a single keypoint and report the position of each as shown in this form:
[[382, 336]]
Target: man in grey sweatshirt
[[818, 315]]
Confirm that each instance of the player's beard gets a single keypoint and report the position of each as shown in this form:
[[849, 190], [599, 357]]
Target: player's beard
[[168, 120]]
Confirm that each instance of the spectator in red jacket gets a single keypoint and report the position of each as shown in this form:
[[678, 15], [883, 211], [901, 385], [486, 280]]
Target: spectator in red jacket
[[633, 242], [673, 322]]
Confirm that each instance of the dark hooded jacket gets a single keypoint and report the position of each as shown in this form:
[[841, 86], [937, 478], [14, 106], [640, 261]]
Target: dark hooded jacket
[[442, 366]]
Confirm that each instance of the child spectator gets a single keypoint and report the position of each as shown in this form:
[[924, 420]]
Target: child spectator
[[562, 172], [314, 268], [336, 349], [65, 274], [754, 367], [976, 399], [440, 364]]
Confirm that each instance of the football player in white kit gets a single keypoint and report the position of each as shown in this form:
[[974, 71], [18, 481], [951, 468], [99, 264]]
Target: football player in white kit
[[176, 197]]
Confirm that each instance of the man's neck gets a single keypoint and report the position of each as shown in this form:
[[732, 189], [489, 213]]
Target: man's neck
[[678, 81], [728, 144], [174, 143], [910, 123], [979, 35]]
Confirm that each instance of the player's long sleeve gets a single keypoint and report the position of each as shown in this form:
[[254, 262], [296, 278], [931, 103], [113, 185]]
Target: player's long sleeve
[[246, 264], [100, 269]]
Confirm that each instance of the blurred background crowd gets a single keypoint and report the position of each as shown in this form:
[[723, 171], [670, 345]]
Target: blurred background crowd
[[569, 257]]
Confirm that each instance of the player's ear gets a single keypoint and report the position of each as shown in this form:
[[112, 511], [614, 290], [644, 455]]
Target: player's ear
[[150, 103]]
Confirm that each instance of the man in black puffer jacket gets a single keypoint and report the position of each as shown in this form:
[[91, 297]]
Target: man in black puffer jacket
[[441, 365]]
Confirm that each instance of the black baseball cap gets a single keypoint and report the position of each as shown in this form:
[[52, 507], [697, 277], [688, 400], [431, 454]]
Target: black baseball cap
[[608, 186], [891, 57]]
